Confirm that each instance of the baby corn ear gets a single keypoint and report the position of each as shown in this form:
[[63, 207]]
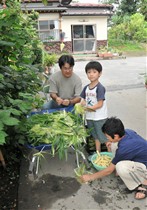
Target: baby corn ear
[[79, 109]]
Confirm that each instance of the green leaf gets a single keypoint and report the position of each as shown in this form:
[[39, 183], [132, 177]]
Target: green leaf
[[2, 137], [1, 76], [15, 112], [4, 43], [11, 121], [9, 85], [1, 86], [44, 2], [1, 125], [4, 115]]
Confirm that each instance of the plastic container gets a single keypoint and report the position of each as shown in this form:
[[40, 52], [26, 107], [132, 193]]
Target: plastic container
[[40, 147], [94, 156]]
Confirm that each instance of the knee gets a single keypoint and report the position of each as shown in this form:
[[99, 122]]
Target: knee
[[122, 168], [46, 106]]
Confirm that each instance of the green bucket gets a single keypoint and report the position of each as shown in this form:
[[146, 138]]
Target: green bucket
[[94, 157]]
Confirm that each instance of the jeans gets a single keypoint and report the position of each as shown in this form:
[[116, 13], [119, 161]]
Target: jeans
[[52, 105]]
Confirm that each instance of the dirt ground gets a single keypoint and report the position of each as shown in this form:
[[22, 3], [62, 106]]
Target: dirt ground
[[9, 177]]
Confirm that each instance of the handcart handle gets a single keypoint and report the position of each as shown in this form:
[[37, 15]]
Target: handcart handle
[[31, 166]]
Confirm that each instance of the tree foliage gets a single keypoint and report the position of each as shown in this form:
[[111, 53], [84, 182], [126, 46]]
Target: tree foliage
[[127, 8], [143, 8], [132, 29], [21, 59]]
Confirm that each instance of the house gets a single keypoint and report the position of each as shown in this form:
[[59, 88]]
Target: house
[[77, 27]]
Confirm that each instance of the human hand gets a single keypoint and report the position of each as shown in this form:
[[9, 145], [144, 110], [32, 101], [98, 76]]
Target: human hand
[[108, 145], [59, 100], [89, 109], [83, 102], [85, 178], [66, 102]]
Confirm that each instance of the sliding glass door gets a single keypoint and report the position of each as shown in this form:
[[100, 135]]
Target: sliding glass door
[[83, 38]]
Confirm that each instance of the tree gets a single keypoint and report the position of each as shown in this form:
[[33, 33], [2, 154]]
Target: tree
[[20, 56], [128, 7], [143, 8], [131, 29]]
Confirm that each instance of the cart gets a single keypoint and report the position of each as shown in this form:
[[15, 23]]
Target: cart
[[34, 160]]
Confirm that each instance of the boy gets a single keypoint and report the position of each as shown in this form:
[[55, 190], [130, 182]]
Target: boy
[[130, 160], [93, 96]]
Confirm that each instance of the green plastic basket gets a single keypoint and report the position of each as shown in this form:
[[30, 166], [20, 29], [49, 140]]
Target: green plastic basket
[[94, 156]]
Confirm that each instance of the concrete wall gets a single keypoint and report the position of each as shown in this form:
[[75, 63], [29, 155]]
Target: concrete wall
[[101, 30], [100, 22], [49, 16]]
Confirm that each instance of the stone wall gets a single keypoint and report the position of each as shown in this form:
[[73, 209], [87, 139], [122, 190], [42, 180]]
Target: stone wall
[[54, 47], [101, 43]]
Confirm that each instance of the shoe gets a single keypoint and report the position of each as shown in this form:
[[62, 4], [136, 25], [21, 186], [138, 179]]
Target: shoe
[[142, 189]]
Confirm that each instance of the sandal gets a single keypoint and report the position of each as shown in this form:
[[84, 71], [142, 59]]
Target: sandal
[[142, 189]]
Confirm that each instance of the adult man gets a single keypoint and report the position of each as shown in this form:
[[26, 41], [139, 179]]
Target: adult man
[[130, 160], [65, 85]]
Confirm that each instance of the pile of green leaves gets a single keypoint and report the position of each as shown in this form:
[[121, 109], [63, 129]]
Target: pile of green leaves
[[60, 129]]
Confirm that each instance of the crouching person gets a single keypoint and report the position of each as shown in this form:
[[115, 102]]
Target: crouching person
[[130, 160]]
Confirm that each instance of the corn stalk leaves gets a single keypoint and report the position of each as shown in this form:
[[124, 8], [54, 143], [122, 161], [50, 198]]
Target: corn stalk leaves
[[60, 129]]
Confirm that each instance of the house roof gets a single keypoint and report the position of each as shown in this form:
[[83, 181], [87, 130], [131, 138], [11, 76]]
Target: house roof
[[79, 9], [90, 5], [40, 7], [40, 1], [87, 12], [74, 9]]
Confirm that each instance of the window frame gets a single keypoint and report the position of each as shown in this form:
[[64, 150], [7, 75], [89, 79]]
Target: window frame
[[49, 34]]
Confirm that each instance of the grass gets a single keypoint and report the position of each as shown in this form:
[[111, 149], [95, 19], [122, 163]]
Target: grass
[[127, 46]]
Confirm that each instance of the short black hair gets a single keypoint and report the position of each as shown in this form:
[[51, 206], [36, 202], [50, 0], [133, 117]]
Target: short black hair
[[113, 126], [66, 59], [93, 65]]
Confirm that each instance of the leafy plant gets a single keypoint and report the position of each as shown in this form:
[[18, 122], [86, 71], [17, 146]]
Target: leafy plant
[[81, 170], [21, 61], [49, 59], [60, 129], [134, 29]]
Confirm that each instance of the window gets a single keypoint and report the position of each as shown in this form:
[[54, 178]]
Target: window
[[84, 38], [48, 30]]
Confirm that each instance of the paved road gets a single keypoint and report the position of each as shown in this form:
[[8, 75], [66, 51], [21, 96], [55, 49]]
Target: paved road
[[126, 94], [119, 73], [57, 188]]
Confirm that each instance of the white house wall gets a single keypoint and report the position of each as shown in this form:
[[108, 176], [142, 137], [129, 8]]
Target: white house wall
[[100, 22], [49, 16]]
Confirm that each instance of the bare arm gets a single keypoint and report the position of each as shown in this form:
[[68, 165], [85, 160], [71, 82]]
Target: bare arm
[[75, 100], [65, 102], [56, 98], [72, 101], [97, 106], [99, 174]]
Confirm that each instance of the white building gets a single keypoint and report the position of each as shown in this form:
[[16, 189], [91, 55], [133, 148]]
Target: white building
[[82, 27]]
